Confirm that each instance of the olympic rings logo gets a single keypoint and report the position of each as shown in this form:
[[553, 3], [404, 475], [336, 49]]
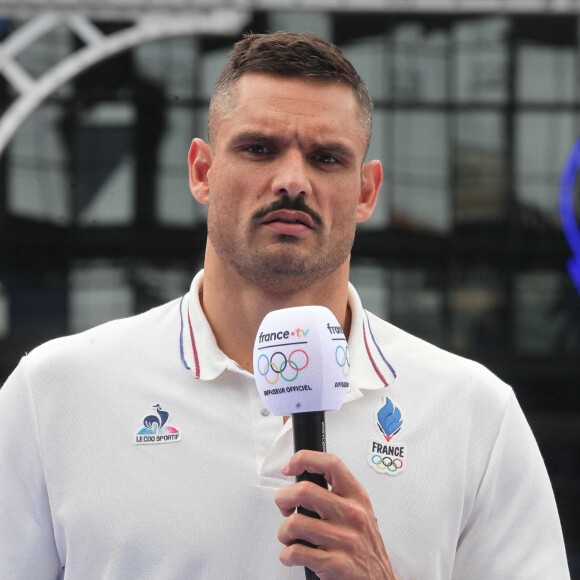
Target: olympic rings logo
[[280, 366], [386, 462], [342, 359]]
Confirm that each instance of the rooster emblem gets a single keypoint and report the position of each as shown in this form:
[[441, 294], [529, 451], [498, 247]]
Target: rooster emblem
[[157, 423]]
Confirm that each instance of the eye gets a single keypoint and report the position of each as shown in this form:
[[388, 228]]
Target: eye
[[325, 159], [258, 149]]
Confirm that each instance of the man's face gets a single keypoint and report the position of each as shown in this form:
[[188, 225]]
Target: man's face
[[285, 180]]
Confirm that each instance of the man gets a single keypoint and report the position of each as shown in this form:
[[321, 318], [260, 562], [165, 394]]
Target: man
[[141, 448]]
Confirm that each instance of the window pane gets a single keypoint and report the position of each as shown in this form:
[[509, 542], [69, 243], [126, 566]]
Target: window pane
[[481, 54], [545, 74], [420, 169], [476, 301], [99, 291], [370, 282], [46, 52], [379, 149], [480, 189], [211, 66], [175, 204], [155, 285], [104, 164], [420, 64], [295, 21], [547, 311], [38, 186], [371, 56], [417, 304], [543, 141], [170, 64]]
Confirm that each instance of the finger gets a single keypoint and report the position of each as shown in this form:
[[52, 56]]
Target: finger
[[325, 564], [300, 527], [343, 520], [297, 555], [320, 533], [336, 565], [335, 472], [310, 496]]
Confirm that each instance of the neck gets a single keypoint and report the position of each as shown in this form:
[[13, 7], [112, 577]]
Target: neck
[[235, 307]]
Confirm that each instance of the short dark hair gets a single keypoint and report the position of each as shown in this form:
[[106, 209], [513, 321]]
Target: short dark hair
[[289, 54]]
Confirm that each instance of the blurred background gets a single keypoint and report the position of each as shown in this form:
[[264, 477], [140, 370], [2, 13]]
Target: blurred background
[[477, 107]]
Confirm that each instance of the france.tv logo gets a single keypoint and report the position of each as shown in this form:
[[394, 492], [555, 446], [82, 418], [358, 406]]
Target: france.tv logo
[[282, 335]]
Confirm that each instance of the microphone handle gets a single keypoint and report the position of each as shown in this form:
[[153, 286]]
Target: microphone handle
[[309, 433]]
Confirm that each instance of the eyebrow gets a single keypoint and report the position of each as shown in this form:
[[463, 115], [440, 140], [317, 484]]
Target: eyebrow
[[336, 147], [254, 137]]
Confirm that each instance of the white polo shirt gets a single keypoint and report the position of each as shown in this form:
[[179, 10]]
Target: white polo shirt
[[138, 449]]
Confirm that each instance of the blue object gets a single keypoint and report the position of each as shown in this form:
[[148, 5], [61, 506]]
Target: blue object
[[567, 213], [390, 421]]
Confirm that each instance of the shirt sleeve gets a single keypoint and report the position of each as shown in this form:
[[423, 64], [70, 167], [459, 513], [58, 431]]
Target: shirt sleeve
[[27, 545], [513, 531]]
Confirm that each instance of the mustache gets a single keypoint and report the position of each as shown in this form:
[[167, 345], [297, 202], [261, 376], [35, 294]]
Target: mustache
[[286, 202]]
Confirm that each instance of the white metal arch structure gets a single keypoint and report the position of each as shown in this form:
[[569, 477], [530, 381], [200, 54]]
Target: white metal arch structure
[[97, 47], [158, 19]]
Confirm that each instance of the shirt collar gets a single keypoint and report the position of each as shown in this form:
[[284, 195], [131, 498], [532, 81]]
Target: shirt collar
[[200, 354], [199, 350], [369, 366]]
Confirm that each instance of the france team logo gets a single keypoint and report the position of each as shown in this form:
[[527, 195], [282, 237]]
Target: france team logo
[[384, 456], [389, 420]]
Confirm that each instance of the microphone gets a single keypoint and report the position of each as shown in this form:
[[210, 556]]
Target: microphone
[[302, 368]]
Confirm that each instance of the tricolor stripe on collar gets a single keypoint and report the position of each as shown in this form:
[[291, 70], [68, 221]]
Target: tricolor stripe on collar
[[193, 346], [186, 321], [380, 352]]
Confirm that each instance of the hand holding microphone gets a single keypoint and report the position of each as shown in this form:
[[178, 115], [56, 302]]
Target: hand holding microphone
[[302, 368]]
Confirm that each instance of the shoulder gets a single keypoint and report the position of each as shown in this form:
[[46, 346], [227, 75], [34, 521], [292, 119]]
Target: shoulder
[[119, 342], [458, 403], [436, 372]]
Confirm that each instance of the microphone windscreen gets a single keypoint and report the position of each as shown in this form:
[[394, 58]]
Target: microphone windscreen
[[301, 361]]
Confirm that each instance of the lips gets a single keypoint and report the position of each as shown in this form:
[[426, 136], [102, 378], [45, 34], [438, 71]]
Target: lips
[[291, 218]]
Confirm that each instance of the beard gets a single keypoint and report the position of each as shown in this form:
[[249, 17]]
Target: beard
[[281, 267]]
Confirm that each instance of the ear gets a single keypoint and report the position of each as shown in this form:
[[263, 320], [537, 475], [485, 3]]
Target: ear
[[371, 179], [200, 158]]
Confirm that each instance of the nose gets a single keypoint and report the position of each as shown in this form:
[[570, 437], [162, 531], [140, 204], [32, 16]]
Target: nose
[[292, 177]]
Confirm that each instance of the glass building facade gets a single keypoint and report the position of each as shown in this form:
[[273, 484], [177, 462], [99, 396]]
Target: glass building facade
[[475, 116]]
